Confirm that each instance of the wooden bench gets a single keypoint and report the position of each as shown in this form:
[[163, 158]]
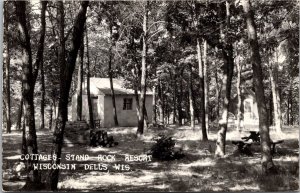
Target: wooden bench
[[244, 146], [273, 145], [254, 136]]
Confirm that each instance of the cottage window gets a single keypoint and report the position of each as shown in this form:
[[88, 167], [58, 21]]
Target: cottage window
[[127, 105]]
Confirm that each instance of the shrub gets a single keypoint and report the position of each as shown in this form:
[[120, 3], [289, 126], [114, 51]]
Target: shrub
[[164, 149]]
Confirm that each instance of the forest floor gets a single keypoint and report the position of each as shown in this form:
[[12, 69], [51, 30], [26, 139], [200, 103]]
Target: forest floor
[[199, 170]]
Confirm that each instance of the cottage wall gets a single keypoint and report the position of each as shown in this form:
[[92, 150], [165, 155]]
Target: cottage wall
[[251, 119], [97, 106], [103, 110], [125, 117]]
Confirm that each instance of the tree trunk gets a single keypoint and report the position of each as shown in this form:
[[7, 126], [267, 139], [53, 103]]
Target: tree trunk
[[227, 52], [273, 71], [136, 94], [50, 117], [54, 109], [88, 75], [140, 129], [7, 72], [173, 108], [206, 87], [270, 115], [154, 106], [290, 120], [79, 83], [203, 112], [66, 72], [179, 107], [110, 72], [276, 99], [40, 62], [217, 95], [238, 87], [42, 126], [267, 162], [160, 103], [191, 100], [29, 132], [20, 113]]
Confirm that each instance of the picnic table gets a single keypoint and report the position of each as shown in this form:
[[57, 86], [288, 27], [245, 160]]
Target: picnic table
[[244, 145]]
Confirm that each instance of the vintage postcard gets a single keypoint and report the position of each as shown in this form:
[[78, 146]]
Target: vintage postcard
[[162, 96]]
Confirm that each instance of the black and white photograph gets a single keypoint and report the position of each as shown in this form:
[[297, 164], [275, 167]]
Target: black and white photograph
[[150, 95]]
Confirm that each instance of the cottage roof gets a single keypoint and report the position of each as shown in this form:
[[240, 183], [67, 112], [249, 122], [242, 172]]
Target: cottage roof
[[102, 85]]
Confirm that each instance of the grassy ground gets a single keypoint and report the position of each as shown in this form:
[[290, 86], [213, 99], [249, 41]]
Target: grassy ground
[[197, 171]]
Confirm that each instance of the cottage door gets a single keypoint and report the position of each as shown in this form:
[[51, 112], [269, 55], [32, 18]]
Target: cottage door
[[95, 109]]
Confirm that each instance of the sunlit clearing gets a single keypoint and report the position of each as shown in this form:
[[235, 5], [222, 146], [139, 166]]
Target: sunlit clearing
[[107, 179], [15, 157], [239, 187], [202, 162]]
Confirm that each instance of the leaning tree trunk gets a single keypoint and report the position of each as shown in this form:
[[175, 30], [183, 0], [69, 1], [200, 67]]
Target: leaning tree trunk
[[191, 99], [140, 129], [29, 133], [267, 162], [110, 72], [90, 106], [66, 71], [79, 83], [7, 72], [227, 52]]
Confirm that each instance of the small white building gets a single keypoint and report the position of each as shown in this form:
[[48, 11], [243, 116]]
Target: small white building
[[101, 97], [249, 111]]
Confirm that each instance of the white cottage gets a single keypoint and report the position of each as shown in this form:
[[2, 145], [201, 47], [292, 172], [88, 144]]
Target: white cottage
[[102, 103], [249, 110]]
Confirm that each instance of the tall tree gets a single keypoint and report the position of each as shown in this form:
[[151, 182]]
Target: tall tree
[[79, 83], [238, 87], [20, 114], [29, 133], [202, 90], [206, 87], [66, 71], [7, 70], [110, 70], [140, 129], [39, 60], [191, 98], [273, 71], [88, 90], [227, 53], [267, 162]]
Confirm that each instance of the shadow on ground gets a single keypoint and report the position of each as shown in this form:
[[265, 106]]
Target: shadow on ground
[[197, 171]]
